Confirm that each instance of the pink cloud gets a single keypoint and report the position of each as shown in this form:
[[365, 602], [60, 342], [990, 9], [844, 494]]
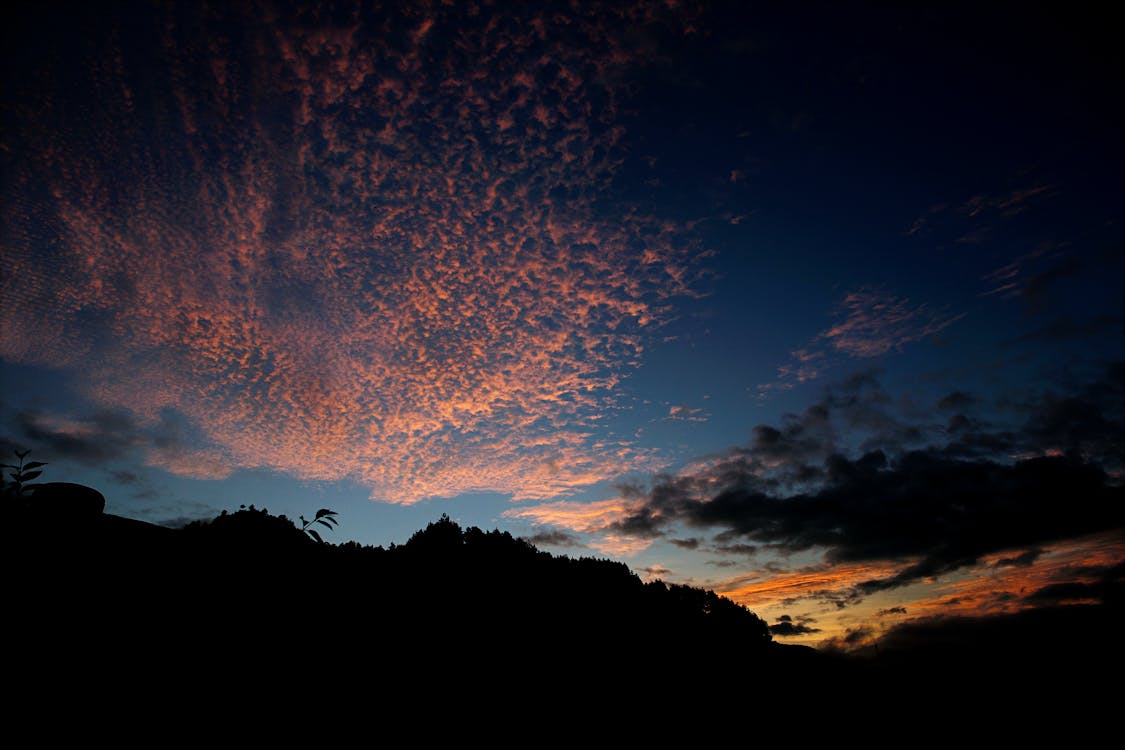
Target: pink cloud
[[869, 323], [368, 255]]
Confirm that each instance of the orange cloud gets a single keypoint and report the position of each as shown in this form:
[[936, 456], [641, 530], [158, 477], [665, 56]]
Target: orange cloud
[[1002, 583], [587, 518], [369, 255], [768, 588], [989, 589], [870, 323]]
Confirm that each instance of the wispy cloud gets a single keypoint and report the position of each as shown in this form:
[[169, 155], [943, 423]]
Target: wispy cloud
[[554, 539], [595, 519], [873, 322], [684, 413], [376, 254], [825, 582], [869, 323], [108, 436], [575, 516], [972, 217]]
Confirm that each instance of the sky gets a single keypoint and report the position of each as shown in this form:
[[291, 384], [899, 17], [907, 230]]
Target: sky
[[819, 306]]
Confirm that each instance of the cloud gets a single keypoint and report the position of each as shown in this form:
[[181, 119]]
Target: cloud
[[1088, 422], [908, 513], [853, 639], [104, 436], [834, 584], [975, 217], [916, 503], [787, 627], [619, 545], [1091, 584], [1008, 204], [942, 514], [554, 539], [1028, 277], [107, 436], [656, 571], [991, 587], [681, 413], [126, 477], [573, 515], [874, 323], [891, 611], [736, 548], [1022, 560], [374, 255], [1024, 638], [870, 323]]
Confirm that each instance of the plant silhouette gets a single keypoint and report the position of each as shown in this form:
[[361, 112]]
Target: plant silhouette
[[325, 517], [22, 474]]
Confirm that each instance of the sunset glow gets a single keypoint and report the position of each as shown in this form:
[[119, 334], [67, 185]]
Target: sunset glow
[[819, 309]]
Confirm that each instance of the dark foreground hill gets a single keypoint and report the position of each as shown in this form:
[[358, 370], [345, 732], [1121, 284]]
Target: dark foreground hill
[[248, 608], [251, 597]]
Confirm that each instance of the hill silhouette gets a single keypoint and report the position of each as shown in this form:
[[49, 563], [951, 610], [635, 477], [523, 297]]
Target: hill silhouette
[[249, 604], [251, 589]]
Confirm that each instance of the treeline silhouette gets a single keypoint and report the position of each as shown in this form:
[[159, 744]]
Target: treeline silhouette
[[249, 594], [247, 604]]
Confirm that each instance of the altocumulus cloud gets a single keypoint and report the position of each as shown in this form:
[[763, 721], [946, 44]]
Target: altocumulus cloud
[[368, 244]]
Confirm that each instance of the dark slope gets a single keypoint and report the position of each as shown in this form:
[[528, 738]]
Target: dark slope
[[474, 624], [250, 596]]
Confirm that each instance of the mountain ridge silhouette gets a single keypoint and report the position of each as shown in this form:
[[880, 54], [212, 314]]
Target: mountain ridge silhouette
[[248, 604]]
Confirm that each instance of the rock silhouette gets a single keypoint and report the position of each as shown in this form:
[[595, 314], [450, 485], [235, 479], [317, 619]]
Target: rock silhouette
[[65, 500]]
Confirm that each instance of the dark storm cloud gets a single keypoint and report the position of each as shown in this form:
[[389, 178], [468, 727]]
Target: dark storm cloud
[[1090, 422], [105, 435], [946, 512], [936, 509], [111, 435], [1076, 591], [1023, 635], [788, 629], [1105, 584], [1022, 560], [554, 539], [787, 626], [891, 611]]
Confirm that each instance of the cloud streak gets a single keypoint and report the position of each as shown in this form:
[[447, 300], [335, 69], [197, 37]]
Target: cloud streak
[[371, 246], [869, 323]]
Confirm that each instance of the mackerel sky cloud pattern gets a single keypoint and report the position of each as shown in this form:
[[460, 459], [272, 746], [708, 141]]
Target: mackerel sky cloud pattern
[[377, 246]]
